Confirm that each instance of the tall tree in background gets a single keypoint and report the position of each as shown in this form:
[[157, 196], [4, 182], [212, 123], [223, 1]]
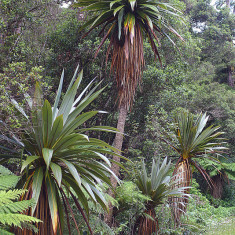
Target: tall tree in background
[[22, 24], [125, 22], [216, 29]]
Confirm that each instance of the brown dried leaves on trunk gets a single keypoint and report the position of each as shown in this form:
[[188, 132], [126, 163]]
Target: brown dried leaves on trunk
[[127, 64]]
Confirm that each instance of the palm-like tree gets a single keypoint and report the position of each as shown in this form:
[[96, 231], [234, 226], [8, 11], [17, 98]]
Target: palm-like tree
[[159, 186], [193, 140], [63, 162], [126, 23]]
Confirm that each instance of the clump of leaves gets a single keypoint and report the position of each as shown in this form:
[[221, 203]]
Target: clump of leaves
[[62, 160], [158, 187]]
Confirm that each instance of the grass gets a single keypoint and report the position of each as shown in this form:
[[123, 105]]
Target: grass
[[225, 227]]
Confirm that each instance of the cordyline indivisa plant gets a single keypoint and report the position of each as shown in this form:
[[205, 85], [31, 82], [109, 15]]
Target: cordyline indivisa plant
[[192, 139], [126, 23], [158, 187], [63, 163]]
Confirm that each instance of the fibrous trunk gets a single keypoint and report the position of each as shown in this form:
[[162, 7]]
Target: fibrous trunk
[[42, 212], [182, 175], [147, 224], [115, 168], [127, 64]]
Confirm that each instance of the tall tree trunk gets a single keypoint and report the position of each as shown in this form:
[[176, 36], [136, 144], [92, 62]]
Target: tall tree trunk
[[115, 168], [230, 78]]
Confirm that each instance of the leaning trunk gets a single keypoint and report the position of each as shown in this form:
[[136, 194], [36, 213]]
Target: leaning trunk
[[115, 168], [183, 175]]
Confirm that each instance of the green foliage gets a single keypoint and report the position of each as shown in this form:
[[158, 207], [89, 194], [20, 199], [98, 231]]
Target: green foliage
[[128, 13], [126, 23], [201, 217], [16, 82], [11, 211], [8, 179], [195, 81], [202, 214], [128, 193], [193, 138], [223, 167], [22, 28], [61, 154], [159, 185], [203, 95], [216, 35]]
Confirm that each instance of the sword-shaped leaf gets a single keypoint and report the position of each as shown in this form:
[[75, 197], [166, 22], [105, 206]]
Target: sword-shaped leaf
[[28, 161], [36, 187], [56, 130], [52, 201], [57, 172], [47, 155], [47, 122], [73, 171], [68, 100], [58, 94]]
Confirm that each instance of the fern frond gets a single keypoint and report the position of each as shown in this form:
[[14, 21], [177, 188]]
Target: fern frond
[[8, 181], [16, 219], [4, 232], [8, 196], [9, 210], [15, 207], [5, 171]]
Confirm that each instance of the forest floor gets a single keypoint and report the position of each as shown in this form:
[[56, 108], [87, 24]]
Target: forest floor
[[224, 227]]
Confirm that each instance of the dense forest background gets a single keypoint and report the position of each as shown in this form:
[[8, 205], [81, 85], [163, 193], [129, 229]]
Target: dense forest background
[[38, 39]]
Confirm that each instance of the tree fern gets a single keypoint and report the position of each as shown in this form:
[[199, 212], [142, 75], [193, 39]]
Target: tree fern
[[4, 232], [219, 167], [10, 210], [7, 179]]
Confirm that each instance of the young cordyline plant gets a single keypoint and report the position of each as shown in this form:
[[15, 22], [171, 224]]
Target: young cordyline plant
[[159, 187], [63, 162]]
